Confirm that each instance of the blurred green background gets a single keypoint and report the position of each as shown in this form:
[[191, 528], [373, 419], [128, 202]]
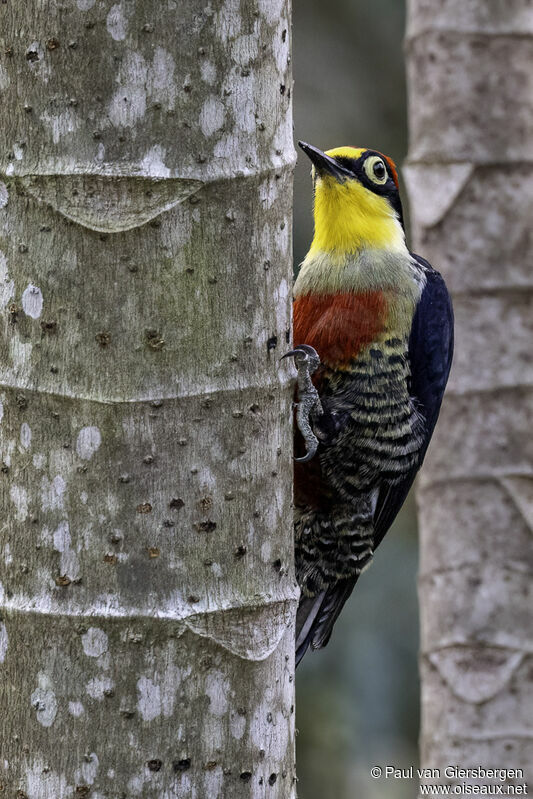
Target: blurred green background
[[357, 700]]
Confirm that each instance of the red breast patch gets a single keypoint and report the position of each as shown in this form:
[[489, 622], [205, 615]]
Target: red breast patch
[[339, 326]]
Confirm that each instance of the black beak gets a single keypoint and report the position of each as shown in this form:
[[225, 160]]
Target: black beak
[[323, 164]]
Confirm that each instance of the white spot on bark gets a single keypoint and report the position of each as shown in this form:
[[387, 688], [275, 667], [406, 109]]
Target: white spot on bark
[[32, 301], [25, 435], [41, 65], [8, 449], [85, 5], [243, 105], [228, 20], [10, 169], [8, 557], [206, 478], [266, 551], [282, 142], [20, 354], [213, 782], [97, 687], [44, 701], [4, 79], [100, 153], [39, 460], [52, 493], [4, 642], [95, 642], [42, 783], [129, 101], [61, 124], [280, 296], [153, 164], [7, 286], [104, 660], [19, 497], [208, 72], [76, 709], [161, 82], [149, 701], [84, 496], [46, 536], [268, 192], [116, 23], [280, 742], [282, 239], [88, 442], [186, 786], [227, 147], [89, 769], [217, 689], [18, 152], [4, 196], [69, 563], [244, 49], [271, 9], [237, 726], [211, 116], [1, 410], [281, 47], [135, 785]]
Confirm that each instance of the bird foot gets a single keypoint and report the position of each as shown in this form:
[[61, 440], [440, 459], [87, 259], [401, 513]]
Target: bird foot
[[307, 362]]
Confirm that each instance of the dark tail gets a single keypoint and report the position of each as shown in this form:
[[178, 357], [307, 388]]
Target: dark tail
[[317, 615]]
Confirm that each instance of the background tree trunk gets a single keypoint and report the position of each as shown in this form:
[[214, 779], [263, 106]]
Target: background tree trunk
[[470, 71], [146, 584]]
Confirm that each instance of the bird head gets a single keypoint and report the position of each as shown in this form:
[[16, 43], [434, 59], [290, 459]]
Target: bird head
[[357, 200]]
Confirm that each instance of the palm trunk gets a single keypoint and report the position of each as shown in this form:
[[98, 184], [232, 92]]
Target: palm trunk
[[147, 590], [471, 111]]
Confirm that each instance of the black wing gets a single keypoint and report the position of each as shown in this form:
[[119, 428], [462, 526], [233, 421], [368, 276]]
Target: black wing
[[430, 357]]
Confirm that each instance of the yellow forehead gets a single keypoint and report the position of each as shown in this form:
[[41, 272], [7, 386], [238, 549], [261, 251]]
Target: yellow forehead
[[346, 152]]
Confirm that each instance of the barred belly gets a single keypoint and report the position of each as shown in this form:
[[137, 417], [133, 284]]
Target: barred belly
[[377, 439], [380, 432]]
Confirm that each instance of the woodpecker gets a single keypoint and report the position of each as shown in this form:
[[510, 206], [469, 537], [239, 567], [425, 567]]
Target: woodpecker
[[373, 335]]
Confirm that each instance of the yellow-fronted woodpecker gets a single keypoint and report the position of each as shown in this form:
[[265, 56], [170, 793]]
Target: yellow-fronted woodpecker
[[373, 334]]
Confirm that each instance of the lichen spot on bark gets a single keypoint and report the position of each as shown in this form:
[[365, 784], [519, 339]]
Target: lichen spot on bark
[[94, 642], [32, 301], [88, 442], [44, 701], [149, 701], [116, 23], [4, 642], [76, 709], [25, 435], [3, 195]]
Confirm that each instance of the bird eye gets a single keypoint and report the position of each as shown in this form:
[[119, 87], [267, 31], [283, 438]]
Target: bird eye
[[376, 170]]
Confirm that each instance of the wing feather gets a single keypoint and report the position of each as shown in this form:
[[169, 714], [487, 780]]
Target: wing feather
[[430, 359]]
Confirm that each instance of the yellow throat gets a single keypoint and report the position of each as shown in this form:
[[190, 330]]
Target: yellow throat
[[350, 217]]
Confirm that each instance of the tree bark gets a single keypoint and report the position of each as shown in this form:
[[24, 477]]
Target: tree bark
[[470, 167], [147, 591]]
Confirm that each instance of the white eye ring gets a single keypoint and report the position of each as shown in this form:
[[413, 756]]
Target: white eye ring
[[376, 170]]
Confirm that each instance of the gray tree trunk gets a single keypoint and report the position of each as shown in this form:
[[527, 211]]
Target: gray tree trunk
[[146, 584], [470, 69]]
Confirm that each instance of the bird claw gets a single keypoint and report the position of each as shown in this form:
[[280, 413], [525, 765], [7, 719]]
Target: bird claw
[[307, 362]]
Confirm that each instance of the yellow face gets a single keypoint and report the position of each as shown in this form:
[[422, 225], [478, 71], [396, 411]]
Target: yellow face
[[349, 216]]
